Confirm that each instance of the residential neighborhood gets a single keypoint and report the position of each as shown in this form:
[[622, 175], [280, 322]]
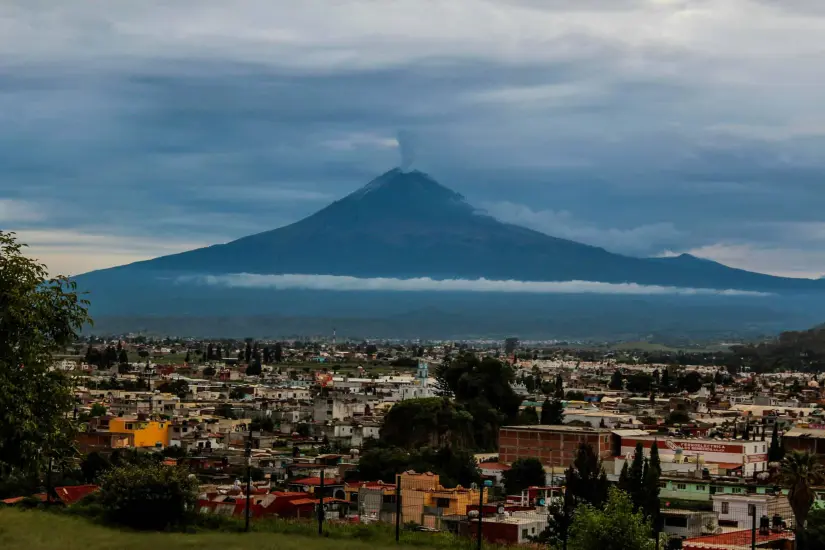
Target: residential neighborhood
[[285, 429]]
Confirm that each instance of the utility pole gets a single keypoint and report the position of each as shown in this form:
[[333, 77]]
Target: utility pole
[[753, 526], [321, 505], [397, 508], [248, 454], [481, 510], [49, 481]]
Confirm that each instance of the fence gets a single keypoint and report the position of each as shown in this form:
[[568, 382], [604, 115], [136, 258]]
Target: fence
[[418, 503], [745, 521]]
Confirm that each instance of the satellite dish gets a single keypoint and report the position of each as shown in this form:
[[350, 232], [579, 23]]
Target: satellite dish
[[500, 510]]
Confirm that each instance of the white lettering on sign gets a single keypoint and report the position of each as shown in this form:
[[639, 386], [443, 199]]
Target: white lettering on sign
[[710, 447], [694, 446]]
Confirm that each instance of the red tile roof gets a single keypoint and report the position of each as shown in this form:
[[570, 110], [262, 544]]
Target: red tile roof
[[314, 481], [15, 500], [370, 485], [70, 495], [732, 540], [494, 466]]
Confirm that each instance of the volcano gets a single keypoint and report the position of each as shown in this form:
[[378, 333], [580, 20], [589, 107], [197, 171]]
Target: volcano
[[406, 224], [401, 225]]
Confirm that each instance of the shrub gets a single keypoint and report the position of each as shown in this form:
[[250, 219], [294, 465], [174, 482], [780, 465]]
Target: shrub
[[150, 496]]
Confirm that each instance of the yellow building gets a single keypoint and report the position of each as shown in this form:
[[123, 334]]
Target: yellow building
[[147, 433], [424, 501]]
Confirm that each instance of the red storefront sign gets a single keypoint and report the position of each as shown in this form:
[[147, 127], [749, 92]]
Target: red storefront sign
[[690, 446]]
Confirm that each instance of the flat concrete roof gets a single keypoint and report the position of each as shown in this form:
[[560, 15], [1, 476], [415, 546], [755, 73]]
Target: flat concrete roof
[[549, 428]]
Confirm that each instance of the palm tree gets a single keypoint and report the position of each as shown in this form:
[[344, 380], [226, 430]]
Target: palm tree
[[800, 472]]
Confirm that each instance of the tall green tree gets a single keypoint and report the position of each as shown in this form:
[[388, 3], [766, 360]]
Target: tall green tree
[[616, 527], [775, 452], [624, 478], [801, 471], [254, 368], [559, 393], [483, 387], [616, 380], [39, 316], [524, 473], [428, 422], [552, 412], [528, 417], [585, 479], [585, 484], [636, 477], [650, 489]]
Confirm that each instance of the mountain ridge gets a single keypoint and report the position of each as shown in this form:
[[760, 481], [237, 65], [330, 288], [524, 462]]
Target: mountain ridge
[[404, 224]]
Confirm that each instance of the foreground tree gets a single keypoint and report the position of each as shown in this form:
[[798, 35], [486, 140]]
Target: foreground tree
[[382, 463], [524, 473], [617, 527], [814, 531], [775, 452], [150, 496], [528, 417], [552, 412], [585, 484], [39, 316], [428, 422], [801, 471], [586, 480]]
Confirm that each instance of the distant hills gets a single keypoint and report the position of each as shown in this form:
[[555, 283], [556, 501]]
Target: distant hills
[[401, 225]]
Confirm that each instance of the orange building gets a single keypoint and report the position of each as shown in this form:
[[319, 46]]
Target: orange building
[[425, 502], [146, 433]]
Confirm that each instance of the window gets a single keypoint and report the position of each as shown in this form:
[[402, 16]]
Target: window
[[442, 503], [130, 426], [764, 448], [725, 508], [700, 487], [524, 533], [681, 486], [736, 490]]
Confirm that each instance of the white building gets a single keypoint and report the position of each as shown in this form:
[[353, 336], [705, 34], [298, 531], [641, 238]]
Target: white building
[[734, 510], [749, 456]]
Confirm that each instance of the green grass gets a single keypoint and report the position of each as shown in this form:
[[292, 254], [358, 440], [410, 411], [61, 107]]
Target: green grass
[[41, 530]]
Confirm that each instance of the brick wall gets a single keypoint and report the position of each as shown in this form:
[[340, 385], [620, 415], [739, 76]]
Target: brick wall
[[552, 448]]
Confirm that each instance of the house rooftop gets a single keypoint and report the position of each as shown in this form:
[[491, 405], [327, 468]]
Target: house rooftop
[[549, 428]]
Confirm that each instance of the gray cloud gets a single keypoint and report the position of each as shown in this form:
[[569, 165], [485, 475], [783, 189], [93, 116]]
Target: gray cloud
[[641, 240], [426, 284], [639, 125]]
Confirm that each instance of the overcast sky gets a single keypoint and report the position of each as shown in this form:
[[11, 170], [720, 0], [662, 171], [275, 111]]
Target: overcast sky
[[131, 129]]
